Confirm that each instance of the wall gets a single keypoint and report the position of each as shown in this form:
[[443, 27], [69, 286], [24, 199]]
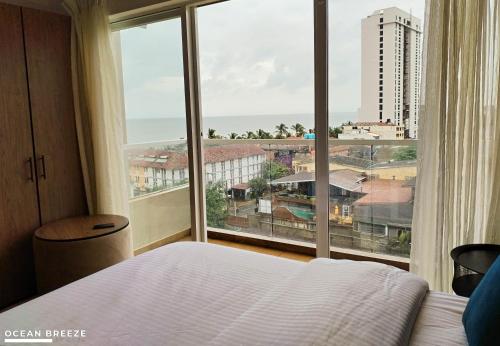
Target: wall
[[159, 215]]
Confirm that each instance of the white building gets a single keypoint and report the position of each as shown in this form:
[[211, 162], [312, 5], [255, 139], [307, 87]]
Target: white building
[[229, 164], [390, 68], [372, 130]]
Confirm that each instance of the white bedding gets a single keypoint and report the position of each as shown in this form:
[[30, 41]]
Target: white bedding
[[195, 294], [440, 321]]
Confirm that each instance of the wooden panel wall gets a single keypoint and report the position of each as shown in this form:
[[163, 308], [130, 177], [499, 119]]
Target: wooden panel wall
[[48, 41], [18, 196]]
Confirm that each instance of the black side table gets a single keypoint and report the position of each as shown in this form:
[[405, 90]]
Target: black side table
[[471, 262]]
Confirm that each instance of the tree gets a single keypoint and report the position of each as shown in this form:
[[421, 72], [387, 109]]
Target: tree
[[233, 135], [334, 131], [261, 134], [405, 154], [216, 205], [275, 170], [250, 135], [281, 131], [211, 134], [257, 187], [299, 129]]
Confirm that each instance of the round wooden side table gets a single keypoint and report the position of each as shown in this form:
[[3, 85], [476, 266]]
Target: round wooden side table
[[70, 249]]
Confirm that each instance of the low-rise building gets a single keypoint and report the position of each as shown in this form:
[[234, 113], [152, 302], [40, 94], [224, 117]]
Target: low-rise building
[[230, 165], [372, 130]]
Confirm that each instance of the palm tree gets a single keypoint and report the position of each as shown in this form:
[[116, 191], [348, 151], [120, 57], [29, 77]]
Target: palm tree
[[233, 135], [251, 135], [261, 134], [211, 134], [299, 129], [281, 131]]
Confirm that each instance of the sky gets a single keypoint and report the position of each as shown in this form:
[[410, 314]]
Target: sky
[[256, 57]]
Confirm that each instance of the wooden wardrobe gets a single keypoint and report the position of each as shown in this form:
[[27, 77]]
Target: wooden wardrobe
[[40, 171]]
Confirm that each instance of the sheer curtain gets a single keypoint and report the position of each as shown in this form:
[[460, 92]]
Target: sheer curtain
[[99, 107], [458, 185]]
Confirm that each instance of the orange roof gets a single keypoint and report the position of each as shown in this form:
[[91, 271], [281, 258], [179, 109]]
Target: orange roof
[[169, 160], [222, 153], [384, 191]]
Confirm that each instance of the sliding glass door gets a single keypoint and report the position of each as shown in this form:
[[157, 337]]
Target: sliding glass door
[[375, 70], [257, 91], [249, 78], [151, 62]]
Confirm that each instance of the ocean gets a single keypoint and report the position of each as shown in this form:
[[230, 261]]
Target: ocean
[[160, 129]]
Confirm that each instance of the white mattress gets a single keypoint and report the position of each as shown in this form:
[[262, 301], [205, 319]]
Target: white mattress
[[193, 294], [440, 321]]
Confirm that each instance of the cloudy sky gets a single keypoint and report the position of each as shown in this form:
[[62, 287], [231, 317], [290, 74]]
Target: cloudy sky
[[256, 57]]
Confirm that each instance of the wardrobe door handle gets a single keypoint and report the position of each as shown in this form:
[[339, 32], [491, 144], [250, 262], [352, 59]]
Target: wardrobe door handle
[[30, 163], [44, 173]]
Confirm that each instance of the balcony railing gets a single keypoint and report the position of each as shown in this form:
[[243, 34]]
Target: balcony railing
[[266, 188]]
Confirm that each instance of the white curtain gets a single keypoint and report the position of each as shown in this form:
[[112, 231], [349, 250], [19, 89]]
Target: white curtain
[[99, 107], [458, 183]]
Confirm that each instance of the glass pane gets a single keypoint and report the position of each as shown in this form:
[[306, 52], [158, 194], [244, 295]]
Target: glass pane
[[257, 82], [156, 153], [375, 70]]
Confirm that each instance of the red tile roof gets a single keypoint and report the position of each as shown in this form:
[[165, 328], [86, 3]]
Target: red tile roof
[[384, 191], [169, 160], [222, 153]]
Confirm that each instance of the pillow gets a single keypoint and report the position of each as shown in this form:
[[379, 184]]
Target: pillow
[[481, 317]]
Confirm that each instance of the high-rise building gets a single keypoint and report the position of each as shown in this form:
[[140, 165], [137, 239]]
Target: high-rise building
[[391, 52]]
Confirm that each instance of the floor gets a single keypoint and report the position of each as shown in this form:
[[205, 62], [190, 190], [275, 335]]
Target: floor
[[272, 252], [264, 250]]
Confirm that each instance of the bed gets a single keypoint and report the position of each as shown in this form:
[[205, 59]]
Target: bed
[[205, 294]]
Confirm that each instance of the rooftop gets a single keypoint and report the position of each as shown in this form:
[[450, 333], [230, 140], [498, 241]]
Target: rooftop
[[169, 159], [370, 123], [345, 178], [384, 191]]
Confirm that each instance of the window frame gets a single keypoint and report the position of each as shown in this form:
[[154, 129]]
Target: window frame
[[197, 179]]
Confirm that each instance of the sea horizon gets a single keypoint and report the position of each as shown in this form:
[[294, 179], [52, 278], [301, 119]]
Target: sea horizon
[[153, 129]]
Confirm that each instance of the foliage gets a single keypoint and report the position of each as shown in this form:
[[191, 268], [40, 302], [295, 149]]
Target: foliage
[[334, 131], [275, 170], [402, 244], [261, 134], [211, 134], [405, 153], [257, 187], [250, 135], [282, 131], [233, 135], [299, 129], [216, 205]]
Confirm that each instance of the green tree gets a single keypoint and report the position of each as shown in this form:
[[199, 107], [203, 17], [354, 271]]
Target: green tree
[[405, 153], [299, 129], [261, 134], [250, 135], [334, 131], [275, 170], [281, 131], [211, 134], [233, 135], [257, 187], [216, 205]]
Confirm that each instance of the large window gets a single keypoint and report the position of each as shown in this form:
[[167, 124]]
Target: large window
[[156, 150], [257, 83], [375, 64], [252, 62]]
